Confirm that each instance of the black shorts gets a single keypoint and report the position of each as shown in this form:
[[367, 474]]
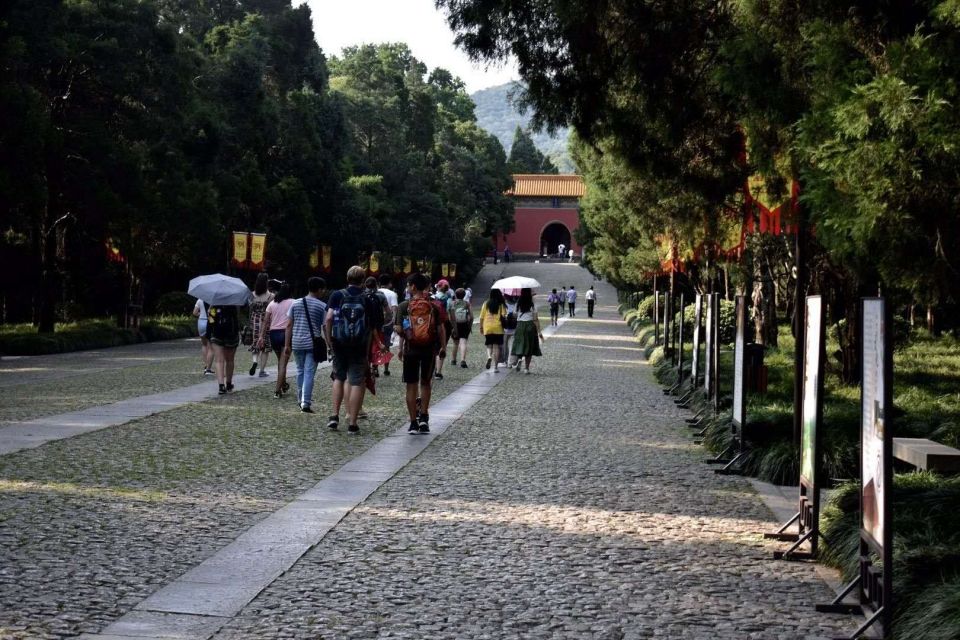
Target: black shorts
[[554, 308], [418, 367], [493, 338], [463, 330]]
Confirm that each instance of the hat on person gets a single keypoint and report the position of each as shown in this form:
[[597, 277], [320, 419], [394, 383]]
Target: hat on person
[[443, 283]]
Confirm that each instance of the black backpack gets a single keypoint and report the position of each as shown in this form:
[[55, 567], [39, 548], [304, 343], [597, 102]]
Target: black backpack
[[350, 322]]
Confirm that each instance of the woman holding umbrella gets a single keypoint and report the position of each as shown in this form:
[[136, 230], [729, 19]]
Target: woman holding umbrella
[[224, 294], [526, 341]]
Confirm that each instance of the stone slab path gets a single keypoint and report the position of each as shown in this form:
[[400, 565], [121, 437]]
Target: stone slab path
[[565, 504]]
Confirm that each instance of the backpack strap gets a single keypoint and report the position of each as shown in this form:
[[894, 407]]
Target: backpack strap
[[306, 312]]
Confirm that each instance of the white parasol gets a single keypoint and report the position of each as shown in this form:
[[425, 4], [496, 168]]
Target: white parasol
[[217, 289], [511, 286]]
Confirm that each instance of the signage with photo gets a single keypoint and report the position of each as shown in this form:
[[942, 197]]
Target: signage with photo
[[680, 343], [812, 391], [873, 428], [656, 317], [708, 351], [668, 323], [739, 393], [695, 360]]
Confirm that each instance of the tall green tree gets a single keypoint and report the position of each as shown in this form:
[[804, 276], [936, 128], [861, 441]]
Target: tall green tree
[[526, 158]]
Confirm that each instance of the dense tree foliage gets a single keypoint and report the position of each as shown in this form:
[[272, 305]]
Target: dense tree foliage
[[525, 157], [159, 126], [676, 104]]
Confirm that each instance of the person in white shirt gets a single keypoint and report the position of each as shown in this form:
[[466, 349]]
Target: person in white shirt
[[591, 300], [206, 349], [570, 253], [386, 288], [571, 302], [561, 250]]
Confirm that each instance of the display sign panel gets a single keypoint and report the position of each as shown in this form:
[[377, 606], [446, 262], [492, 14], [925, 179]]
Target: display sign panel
[[873, 426], [656, 317], [739, 395], [812, 368], [695, 360], [258, 250], [708, 352]]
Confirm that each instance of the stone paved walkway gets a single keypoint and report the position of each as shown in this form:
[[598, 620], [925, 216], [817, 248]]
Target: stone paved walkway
[[565, 504]]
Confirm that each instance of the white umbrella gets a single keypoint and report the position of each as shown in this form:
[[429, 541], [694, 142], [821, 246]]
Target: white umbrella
[[218, 289], [511, 286]]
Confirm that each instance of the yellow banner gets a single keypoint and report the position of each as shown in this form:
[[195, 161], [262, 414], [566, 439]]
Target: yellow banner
[[408, 265], [258, 250], [326, 257], [375, 262], [315, 258], [241, 247], [444, 269], [453, 269]]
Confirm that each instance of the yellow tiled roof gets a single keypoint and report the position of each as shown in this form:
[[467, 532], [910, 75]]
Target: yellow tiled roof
[[545, 185]]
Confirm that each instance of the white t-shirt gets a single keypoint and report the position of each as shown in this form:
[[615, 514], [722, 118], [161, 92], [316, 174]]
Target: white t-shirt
[[468, 294], [392, 301], [203, 309], [562, 247], [591, 294]]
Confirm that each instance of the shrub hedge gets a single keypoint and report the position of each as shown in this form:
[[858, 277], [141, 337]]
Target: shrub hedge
[[23, 339]]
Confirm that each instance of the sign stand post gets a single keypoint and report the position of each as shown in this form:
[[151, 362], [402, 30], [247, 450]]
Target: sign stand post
[[811, 418], [694, 378], [709, 367], [874, 585], [668, 325]]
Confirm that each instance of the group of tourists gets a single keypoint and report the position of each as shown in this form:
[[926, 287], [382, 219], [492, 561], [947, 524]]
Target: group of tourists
[[356, 328]]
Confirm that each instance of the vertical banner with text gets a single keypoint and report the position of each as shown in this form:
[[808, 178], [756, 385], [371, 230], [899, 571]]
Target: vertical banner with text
[[258, 250], [326, 258], [241, 249]]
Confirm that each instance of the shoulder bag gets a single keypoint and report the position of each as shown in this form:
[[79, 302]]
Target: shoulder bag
[[319, 344]]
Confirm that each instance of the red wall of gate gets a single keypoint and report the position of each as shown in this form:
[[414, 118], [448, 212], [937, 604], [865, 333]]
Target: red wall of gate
[[530, 224]]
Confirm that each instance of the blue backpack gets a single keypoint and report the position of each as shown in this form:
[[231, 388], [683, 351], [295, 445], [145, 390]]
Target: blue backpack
[[350, 322]]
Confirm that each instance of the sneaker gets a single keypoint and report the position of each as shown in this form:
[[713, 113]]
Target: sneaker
[[438, 375], [424, 427], [229, 386], [527, 371], [285, 387], [277, 395], [489, 361], [305, 408], [386, 371], [222, 390], [362, 415], [263, 374], [253, 368], [333, 422], [208, 372], [353, 428], [414, 427], [423, 423], [519, 364], [463, 365]]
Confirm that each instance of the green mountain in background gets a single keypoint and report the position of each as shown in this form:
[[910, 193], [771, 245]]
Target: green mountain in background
[[497, 114]]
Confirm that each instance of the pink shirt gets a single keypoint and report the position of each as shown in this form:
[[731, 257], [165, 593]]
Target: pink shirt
[[278, 314]]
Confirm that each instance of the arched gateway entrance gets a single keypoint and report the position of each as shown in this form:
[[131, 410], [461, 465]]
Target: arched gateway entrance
[[552, 236]]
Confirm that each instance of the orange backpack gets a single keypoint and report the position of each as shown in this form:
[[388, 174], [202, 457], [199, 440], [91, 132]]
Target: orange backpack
[[423, 324]]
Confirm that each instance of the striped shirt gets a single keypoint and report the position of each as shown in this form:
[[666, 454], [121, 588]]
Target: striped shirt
[[301, 330]]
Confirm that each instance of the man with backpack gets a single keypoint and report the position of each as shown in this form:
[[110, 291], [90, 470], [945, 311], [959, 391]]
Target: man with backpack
[[386, 290], [443, 299], [352, 313], [421, 331]]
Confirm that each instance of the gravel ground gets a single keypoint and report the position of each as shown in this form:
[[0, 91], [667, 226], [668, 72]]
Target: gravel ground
[[566, 504], [91, 525], [80, 390]]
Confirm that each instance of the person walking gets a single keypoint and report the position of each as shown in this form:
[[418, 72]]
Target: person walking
[[561, 253], [554, 300], [372, 288], [386, 288], [526, 343], [349, 315], [492, 314], [462, 326], [258, 309], [206, 349], [443, 298], [591, 297], [274, 335], [224, 328], [421, 332], [509, 330], [570, 253], [306, 316], [572, 301], [563, 300]]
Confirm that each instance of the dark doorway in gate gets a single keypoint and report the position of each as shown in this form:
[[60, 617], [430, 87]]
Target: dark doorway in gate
[[552, 236]]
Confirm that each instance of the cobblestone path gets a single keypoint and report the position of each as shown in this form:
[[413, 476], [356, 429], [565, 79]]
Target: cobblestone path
[[566, 504]]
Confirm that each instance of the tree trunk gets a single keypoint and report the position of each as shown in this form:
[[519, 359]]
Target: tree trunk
[[764, 300], [932, 321]]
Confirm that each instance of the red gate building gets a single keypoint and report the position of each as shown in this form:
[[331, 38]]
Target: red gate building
[[546, 214]]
